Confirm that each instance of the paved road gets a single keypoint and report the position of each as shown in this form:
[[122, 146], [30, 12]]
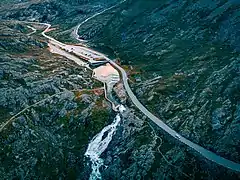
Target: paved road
[[204, 152], [75, 31], [33, 30]]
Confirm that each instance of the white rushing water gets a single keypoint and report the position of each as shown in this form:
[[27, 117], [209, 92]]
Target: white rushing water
[[99, 144]]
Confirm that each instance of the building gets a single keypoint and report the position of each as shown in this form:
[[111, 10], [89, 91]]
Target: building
[[106, 74]]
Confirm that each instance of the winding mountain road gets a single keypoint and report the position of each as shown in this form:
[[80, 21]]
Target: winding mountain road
[[204, 152], [33, 30], [75, 31]]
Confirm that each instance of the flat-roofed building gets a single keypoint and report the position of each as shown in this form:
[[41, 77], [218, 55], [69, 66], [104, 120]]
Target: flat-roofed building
[[106, 74]]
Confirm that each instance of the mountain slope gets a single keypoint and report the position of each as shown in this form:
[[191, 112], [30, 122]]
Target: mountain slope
[[194, 46], [183, 63]]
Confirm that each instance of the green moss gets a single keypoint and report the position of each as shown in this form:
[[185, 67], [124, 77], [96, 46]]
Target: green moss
[[4, 114], [97, 84], [98, 119]]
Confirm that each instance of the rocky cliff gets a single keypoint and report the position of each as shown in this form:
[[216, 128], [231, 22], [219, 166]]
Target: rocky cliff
[[186, 55], [48, 111], [194, 47]]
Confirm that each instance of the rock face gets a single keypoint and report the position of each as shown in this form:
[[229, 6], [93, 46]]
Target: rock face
[[194, 46], [188, 54], [16, 42], [120, 93], [63, 13], [55, 120]]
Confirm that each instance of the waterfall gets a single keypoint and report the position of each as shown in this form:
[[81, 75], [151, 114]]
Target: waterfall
[[99, 144]]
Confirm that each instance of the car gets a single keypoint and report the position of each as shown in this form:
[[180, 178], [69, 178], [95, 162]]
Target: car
[[177, 136]]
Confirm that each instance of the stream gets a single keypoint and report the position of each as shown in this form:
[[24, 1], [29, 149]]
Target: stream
[[99, 144]]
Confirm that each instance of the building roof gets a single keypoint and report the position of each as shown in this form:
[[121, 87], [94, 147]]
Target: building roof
[[105, 71]]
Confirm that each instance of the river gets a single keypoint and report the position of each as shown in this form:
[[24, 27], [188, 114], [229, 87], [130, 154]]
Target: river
[[99, 144]]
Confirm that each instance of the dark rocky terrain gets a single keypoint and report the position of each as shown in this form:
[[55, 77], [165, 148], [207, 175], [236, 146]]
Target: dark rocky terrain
[[59, 113], [192, 47]]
